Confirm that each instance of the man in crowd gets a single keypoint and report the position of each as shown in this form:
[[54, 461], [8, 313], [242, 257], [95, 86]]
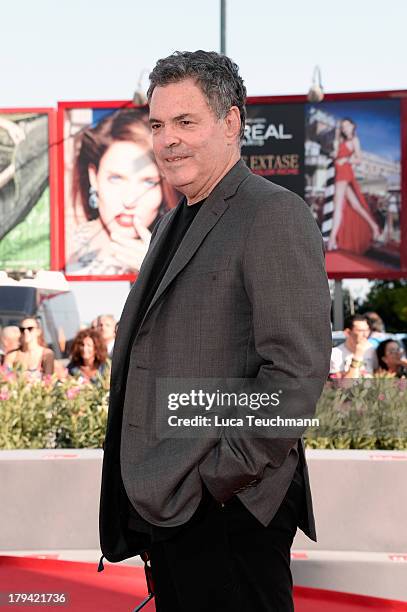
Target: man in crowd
[[106, 325], [356, 357], [233, 286], [9, 340], [377, 328]]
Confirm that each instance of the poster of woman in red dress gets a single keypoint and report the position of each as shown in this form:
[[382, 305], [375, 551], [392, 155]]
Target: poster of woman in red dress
[[353, 226], [352, 183]]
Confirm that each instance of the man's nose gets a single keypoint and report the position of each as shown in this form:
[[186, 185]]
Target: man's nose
[[170, 137]]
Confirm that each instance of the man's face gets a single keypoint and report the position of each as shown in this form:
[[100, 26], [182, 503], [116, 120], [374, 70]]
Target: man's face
[[106, 327], [360, 331], [192, 146]]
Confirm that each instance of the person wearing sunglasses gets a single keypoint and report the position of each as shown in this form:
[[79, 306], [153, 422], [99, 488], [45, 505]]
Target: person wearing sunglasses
[[32, 356], [392, 362]]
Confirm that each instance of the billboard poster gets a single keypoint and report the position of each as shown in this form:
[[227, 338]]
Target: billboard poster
[[25, 216], [273, 144], [342, 155], [353, 183], [113, 193]]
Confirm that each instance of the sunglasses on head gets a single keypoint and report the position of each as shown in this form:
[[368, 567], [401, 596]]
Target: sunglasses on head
[[29, 328]]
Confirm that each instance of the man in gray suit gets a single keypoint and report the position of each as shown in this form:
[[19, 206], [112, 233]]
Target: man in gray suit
[[233, 287]]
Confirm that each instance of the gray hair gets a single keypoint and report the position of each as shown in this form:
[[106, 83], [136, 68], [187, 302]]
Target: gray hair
[[216, 74]]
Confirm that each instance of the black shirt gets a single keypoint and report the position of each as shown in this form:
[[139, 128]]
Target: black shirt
[[184, 215], [183, 219]]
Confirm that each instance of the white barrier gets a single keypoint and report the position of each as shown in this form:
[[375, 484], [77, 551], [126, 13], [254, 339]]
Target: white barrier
[[50, 504]]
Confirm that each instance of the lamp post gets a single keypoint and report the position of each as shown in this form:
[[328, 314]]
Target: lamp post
[[223, 26], [316, 92]]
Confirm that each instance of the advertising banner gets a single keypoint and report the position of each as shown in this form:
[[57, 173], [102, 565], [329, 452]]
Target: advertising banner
[[25, 215], [113, 193], [273, 144], [343, 156], [353, 182]]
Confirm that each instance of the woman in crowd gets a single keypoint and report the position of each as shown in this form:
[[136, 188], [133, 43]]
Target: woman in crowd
[[32, 356], [392, 363], [353, 226], [118, 185], [88, 356]]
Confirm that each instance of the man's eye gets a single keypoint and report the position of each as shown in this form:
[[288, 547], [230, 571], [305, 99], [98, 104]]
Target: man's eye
[[186, 122], [115, 178], [155, 126]]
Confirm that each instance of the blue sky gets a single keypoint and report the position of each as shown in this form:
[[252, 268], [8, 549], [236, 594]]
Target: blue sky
[[377, 124], [97, 49]]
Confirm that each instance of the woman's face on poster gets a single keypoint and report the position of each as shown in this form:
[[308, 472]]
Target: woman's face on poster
[[127, 183], [347, 128]]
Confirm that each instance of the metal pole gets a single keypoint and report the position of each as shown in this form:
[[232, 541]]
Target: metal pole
[[338, 306], [223, 26]]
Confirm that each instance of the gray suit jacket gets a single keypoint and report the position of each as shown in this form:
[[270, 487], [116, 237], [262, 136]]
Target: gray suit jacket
[[245, 296]]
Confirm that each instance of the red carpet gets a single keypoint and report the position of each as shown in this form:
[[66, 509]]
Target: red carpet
[[121, 588], [349, 263]]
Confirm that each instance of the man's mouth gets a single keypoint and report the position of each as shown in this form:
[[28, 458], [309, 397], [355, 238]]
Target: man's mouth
[[175, 158], [124, 220]]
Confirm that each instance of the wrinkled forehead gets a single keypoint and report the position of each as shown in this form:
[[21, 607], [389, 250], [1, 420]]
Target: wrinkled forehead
[[175, 99]]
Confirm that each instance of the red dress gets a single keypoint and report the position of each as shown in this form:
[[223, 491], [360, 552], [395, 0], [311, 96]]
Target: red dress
[[355, 234]]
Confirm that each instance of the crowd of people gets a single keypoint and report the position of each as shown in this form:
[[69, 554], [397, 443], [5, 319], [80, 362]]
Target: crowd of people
[[367, 351], [88, 355]]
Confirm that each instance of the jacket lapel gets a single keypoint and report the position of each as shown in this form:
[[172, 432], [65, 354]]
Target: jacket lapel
[[134, 299], [206, 219]]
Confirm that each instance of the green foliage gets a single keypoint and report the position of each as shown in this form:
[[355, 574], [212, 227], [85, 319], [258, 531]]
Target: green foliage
[[365, 414], [389, 300], [361, 414], [27, 245], [50, 413]]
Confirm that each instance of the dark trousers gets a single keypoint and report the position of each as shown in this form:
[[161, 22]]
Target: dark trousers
[[225, 560]]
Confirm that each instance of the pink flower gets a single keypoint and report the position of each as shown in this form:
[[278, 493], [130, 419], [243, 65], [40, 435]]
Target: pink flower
[[72, 392], [381, 397], [402, 384], [7, 374], [4, 394]]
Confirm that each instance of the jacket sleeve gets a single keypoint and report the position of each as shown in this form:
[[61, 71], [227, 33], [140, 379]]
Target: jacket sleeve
[[286, 284]]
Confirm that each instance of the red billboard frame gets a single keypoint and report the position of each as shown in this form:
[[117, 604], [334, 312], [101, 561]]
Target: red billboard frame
[[53, 173], [59, 233]]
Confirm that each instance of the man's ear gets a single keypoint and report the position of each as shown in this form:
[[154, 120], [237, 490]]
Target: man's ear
[[92, 177], [233, 122]]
